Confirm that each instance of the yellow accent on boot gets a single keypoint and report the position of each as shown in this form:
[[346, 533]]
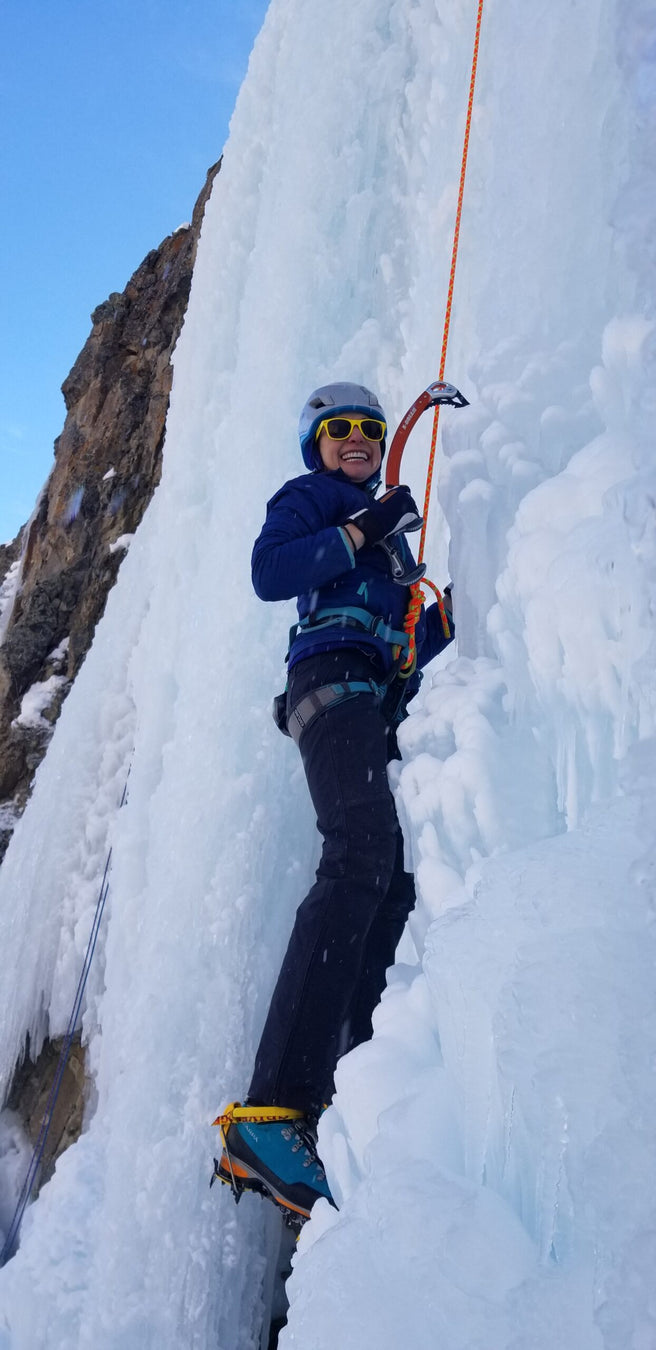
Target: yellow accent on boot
[[262, 1115]]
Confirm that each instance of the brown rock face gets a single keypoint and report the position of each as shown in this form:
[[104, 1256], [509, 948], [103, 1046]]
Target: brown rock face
[[30, 1098], [107, 465]]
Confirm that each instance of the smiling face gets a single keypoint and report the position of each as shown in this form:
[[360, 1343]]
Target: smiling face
[[357, 457]]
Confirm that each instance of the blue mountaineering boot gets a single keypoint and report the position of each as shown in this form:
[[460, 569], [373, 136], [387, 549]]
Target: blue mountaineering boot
[[271, 1150]]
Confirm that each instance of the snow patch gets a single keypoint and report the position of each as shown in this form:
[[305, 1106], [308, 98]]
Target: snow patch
[[36, 700], [8, 592], [122, 544], [60, 653]]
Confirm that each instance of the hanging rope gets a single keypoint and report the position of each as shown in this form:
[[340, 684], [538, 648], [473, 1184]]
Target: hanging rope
[[39, 1147], [416, 593]]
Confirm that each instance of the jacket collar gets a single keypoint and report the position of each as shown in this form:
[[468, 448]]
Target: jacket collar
[[370, 486]]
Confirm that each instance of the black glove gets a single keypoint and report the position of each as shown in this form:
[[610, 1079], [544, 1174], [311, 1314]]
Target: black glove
[[394, 513], [447, 597]]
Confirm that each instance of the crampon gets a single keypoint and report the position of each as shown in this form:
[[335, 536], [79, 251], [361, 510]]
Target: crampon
[[271, 1150]]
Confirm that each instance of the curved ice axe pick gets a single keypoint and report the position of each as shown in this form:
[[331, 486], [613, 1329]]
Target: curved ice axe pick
[[435, 394], [438, 392]]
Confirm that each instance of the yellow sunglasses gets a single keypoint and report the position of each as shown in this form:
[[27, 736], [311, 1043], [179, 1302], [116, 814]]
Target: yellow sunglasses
[[340, 428]]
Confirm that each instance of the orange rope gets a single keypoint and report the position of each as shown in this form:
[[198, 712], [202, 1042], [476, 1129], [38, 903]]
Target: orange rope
[[416, 594]]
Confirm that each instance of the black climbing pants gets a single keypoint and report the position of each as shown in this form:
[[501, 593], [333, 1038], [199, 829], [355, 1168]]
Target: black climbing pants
[[347, 929]]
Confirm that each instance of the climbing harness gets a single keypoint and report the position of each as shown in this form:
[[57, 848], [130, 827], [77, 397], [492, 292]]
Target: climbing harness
[[318, 700], [39, 1147], [350, 616], [425, 399], [294, 721]]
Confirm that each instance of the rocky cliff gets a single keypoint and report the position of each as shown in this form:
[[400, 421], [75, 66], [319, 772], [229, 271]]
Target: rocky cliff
[[55, 577]]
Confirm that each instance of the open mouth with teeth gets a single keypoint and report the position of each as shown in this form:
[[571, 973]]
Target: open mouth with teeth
[[357, 458]]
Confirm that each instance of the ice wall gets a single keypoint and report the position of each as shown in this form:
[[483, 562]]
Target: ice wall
[[325, 254], [507, 1077]]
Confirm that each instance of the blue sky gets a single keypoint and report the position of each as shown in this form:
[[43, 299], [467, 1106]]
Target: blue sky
[[112, 111]]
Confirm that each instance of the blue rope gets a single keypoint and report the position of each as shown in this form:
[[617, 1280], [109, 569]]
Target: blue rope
[[39, 1147]]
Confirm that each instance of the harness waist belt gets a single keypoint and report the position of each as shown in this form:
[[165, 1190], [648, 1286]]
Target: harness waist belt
[[351, 616], [326, 696]]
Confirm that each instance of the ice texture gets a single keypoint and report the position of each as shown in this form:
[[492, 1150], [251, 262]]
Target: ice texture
[[492, 1149]]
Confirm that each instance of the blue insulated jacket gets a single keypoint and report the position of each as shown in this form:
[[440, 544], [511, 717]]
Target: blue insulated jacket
[[302, 552]]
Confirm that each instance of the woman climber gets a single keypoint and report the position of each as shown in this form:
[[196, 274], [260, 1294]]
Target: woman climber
[[329, 542]]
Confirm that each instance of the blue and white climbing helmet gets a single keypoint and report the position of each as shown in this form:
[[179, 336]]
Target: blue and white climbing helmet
[[327, 401]]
